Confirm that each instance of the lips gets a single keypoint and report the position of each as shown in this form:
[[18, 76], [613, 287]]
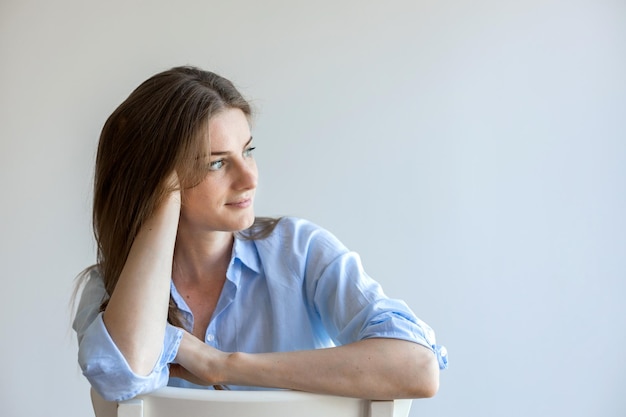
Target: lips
[[243, 203]]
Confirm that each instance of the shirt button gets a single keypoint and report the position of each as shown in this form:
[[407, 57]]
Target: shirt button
[[210, 338]]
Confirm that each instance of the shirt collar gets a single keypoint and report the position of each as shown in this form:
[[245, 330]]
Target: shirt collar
[[178, 299], [246, 252]]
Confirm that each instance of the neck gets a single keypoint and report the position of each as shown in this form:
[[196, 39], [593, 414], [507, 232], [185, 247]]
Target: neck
[[202, 257]]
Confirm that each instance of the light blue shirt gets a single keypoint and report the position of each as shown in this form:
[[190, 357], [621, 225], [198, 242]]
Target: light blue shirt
[[297, 289]]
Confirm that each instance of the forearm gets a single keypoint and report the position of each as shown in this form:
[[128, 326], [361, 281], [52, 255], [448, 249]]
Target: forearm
[[373, 369], [136, 314]]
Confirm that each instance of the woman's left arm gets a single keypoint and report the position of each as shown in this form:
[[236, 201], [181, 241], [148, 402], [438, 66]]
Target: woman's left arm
[[383, 352], [372, 368]]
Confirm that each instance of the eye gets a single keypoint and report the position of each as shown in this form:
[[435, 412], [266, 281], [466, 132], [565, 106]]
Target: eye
[[216, 165], [248, 152]]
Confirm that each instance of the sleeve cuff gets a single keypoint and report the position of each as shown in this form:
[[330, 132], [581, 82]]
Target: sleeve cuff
[[108, 371], [405, 327]]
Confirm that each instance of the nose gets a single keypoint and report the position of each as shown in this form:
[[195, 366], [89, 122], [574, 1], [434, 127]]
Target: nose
[[247, 175]]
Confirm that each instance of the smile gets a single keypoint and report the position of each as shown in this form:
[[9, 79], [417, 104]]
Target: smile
[[241, 203]]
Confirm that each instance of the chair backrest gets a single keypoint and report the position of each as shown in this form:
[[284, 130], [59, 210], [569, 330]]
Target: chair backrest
[[185, 402]]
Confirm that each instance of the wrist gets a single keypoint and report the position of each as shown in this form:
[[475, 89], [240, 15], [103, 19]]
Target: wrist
[[202, 360]]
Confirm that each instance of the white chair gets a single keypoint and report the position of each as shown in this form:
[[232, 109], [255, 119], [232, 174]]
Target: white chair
[[185, 402]]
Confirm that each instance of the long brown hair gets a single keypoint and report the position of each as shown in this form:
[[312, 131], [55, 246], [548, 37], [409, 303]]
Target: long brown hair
[[153, 132]]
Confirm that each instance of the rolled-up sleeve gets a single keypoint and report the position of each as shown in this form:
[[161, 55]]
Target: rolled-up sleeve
[[353, 306], [101, 361]]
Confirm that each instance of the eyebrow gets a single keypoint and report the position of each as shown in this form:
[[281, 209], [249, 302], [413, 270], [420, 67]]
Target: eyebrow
[[218, 153]]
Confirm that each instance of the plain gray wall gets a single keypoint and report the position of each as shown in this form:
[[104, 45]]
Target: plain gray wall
[[473, 152]]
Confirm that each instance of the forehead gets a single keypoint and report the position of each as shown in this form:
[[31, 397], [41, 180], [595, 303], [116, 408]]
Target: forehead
[[228, 129]]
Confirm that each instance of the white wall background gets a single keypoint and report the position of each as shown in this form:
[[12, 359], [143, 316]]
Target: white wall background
[[474, 153]]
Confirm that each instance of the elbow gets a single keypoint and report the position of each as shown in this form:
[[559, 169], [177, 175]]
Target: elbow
[[427, 381], [429, 386], [117, 387], [113, 379], [423, 381]]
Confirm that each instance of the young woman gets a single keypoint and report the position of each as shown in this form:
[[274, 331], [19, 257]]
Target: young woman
[[190, 289]]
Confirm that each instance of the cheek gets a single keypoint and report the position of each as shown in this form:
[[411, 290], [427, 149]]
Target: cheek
[[205, 194]]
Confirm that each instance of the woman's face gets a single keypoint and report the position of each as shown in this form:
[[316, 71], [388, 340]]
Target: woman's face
[[223, 201]]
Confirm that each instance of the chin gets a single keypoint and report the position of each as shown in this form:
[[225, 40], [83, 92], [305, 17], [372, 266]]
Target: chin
[[244, 224], [250, 222]]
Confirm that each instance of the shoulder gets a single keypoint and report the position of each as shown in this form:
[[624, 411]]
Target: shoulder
[[91, 289], [91, 281], [295, 242], [300, 233], [92, 293], [295, 225]]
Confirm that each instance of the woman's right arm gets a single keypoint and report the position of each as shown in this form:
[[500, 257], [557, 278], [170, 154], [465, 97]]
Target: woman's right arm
[[136, 314]]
